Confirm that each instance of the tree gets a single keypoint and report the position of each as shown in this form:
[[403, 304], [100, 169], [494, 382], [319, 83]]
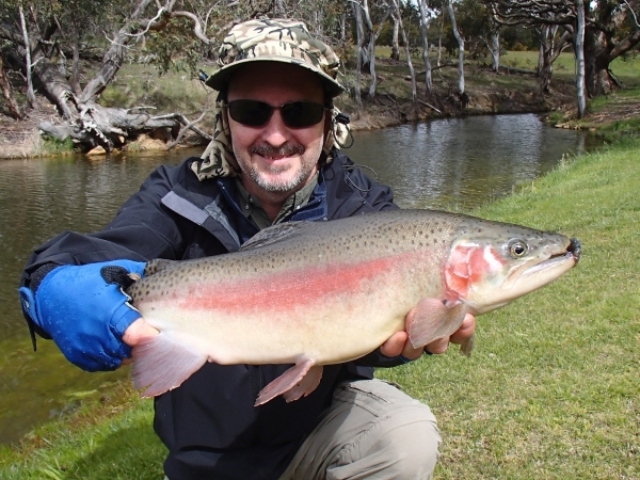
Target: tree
[[423, 8], [459, 38], [52, 28], [551, 45], [397, 13], [7, 92], [365, 29], [611, 29], [579, 48]]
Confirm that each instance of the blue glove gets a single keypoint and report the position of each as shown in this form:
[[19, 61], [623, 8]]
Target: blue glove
[[85, 310]]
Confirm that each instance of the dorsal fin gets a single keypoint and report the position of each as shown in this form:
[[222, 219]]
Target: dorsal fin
[[275, 233], [158, 264]]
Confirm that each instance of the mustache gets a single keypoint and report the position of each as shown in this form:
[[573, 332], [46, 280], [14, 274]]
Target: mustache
[[285, 150]]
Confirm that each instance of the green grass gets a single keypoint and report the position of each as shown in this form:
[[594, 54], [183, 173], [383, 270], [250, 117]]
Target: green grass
[[552, 388], [140, 85], [551, 391]]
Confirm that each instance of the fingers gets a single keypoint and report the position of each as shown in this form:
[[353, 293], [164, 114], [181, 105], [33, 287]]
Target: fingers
[[398, 344], [465, 331], [438, 346], [395, 344], [138, 331]]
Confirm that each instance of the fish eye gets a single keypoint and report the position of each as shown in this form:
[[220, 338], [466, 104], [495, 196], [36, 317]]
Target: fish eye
[[518, 248]]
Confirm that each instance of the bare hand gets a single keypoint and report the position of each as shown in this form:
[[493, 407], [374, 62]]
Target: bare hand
[[135, 333], [398, 343]]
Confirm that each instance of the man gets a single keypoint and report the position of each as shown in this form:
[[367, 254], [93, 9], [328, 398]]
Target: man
[[273, 159]]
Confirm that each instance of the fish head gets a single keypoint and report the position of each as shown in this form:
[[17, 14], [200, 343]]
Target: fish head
[[491, 264]]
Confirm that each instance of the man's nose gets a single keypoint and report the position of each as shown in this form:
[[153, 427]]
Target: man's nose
[[275, 132]]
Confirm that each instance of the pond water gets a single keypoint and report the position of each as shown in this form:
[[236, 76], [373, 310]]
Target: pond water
[[460, 162]]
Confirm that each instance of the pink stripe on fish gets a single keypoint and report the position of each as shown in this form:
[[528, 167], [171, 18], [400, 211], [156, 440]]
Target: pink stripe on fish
[[283, 290]]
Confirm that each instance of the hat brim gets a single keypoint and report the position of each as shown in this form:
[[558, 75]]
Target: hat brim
[[219, 79]]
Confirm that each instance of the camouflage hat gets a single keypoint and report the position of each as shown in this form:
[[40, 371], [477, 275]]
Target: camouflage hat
[[276, 40]]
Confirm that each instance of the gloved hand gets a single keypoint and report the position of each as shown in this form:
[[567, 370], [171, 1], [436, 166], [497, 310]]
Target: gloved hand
[[85, 310]]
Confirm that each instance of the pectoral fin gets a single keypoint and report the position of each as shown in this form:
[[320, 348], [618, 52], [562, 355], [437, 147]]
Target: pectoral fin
[[298, 381], [431, 319], [161, 363]]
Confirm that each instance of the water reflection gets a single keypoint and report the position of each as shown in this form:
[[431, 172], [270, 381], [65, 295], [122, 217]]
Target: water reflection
[[463, 161], [438, 164]]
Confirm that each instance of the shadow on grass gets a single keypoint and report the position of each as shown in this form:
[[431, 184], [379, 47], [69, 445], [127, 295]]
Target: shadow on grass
[[133, 453]]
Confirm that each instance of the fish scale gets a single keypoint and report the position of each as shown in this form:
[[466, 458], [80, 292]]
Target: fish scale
[[320, 293]]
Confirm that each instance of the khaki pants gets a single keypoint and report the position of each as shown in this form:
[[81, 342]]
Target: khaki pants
[[371, 431]]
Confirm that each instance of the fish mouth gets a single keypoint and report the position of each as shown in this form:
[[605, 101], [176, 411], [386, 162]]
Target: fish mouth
[[571, 256], [575, 249]]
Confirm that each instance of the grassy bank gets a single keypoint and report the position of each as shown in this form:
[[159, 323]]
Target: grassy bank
[[550, 392]]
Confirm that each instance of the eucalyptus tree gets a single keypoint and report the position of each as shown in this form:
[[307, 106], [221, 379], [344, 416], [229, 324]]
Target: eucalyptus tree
[[368, 34], [395, 44], [611, 29], [397, 13], [39, 38], [552, 44], [460, 39], [423, 9]]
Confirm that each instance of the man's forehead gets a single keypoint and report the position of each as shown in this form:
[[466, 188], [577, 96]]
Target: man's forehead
[[274, 77]]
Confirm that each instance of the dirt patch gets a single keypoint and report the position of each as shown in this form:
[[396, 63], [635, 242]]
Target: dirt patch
[[21, 139]]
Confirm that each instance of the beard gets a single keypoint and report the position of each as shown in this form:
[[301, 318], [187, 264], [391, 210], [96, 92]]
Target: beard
[[274, 184]]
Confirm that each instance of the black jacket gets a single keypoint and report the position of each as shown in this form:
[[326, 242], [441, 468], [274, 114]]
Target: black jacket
[[209, 423]]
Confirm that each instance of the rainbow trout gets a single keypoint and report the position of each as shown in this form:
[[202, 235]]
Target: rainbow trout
[[321, 293]]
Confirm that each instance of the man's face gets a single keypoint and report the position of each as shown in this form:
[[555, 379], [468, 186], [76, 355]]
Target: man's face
[[273, 157]]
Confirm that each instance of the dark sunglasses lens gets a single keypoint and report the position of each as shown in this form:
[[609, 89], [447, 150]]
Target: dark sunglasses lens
[[301, 114], [254, 113], [250, 112]]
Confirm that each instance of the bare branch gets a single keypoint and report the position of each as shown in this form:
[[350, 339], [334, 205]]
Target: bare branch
[[149, 23], [633, 14], [197, 25]]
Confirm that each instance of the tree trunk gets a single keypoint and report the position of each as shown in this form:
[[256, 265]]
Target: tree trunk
[[439, 59], [357, 13], [407, 48], [545, 65], [596, 53], [579, 50], [395, 45], [27, 48], [75, 69], [460, 41], [7, 92], [424, 25], [495, 51]]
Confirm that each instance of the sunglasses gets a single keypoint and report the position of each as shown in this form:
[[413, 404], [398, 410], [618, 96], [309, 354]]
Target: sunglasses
[[254, 113]]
